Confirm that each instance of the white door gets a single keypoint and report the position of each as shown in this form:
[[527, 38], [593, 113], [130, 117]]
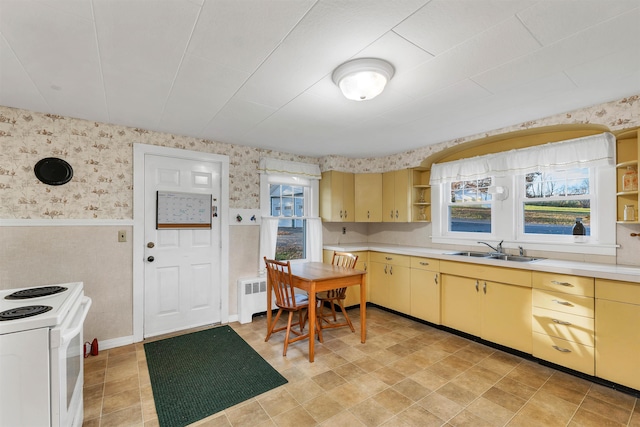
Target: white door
[[182, 279]]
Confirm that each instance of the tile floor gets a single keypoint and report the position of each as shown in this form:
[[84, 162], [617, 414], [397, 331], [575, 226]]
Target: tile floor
[[407, 374]]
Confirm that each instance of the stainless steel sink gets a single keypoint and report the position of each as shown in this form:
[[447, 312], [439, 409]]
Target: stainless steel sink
[[503, 257], [470, 253], [517, 258]]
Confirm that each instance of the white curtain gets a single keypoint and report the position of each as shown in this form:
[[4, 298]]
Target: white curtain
[[288, 168], [589, 151], [314, 239], [268, 238]]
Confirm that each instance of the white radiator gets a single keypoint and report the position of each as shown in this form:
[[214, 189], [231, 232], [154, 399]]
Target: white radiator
[[252, 298]]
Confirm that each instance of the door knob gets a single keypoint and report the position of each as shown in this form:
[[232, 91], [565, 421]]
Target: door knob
[[150, 259], [150, 245]]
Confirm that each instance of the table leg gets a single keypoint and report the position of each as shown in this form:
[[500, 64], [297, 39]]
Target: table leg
[[269, 302], [312, 320], [363, 309]]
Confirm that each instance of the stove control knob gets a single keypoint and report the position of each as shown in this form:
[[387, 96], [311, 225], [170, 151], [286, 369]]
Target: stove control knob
[[150, 259]]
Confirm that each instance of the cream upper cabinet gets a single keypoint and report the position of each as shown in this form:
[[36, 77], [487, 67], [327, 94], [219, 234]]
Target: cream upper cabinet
[[368, 197], [396, 196], [337, 197], [618, 332], [425, 289], [493, 303]]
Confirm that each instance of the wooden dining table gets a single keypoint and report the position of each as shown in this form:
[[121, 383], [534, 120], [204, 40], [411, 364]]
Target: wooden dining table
[[315, 277]]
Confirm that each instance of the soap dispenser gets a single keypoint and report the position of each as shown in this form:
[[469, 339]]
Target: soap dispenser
[[579, 230]]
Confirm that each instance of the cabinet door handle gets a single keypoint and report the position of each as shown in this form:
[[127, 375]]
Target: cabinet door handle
[[365, 266], [391, 270], [555, 282], [391, 214], [567, 303], [345, 214], [560, 322], [484, 288], [385, 269], [388, 258], [340, 213], [396, 213], [477, 285], [435, 278], [368, 215], [424, 263], [560, 349]]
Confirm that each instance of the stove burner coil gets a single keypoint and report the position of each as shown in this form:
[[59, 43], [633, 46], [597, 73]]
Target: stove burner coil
[[22, 312], [36, 292]]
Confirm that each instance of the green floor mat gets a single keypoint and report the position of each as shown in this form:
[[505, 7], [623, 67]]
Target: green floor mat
[[198, 374]]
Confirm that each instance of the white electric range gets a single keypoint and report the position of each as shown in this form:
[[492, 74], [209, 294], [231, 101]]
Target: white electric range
[[42, 355]]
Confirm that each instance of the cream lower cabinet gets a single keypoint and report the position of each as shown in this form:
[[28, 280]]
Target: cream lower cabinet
[[353, 292], [493, 303], [425, 289], [390, 281], [618, 332], [563, 320]]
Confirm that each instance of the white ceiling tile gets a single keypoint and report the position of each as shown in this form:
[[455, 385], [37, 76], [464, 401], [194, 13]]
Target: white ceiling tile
[[80, 8], [448, 98], [201, 89], [142, 39], [620, 33], [498, 45], [136, 101], [242, 34], [16, 88], [236, 119], [64, 64], [443, 24], [402, 54], [618, 65], [550, 21]]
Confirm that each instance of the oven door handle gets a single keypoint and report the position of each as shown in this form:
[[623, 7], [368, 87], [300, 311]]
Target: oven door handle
[[68, 336]]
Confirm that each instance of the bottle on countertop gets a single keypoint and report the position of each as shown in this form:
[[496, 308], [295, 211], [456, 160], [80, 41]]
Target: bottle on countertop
[[579, 230]]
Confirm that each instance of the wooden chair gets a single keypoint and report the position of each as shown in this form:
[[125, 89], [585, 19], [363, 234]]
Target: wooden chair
[[279, 276], [336, 296]]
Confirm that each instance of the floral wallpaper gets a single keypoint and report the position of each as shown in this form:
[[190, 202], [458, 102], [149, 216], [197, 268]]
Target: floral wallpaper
[[101, 156], [102, 159]]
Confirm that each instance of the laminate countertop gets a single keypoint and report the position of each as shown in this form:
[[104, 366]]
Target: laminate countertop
[[602, 271]]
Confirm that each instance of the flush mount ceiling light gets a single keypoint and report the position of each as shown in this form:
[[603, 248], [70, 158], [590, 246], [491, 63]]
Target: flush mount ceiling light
[[363, 79]]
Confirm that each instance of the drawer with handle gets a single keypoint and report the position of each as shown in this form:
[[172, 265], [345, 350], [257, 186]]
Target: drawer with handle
[[563, 325], [572, 304], [425, 263], [566, 353], [576, 285]]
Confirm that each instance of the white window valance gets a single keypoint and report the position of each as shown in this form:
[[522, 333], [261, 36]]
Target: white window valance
[[589, 151], [285, 167]]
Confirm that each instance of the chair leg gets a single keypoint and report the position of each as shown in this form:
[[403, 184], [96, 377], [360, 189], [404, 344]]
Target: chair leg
[[346, 316], [319, 329], [286, 337], [333, 310], [273, 325]]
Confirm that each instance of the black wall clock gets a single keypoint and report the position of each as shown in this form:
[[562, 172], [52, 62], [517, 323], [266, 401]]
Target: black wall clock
[[53, 171]]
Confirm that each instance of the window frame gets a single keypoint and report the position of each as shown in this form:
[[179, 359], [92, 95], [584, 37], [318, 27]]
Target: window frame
[[310, 207], [508, 218]]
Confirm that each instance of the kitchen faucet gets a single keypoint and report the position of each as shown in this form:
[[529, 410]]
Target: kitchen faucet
[[497, 249]]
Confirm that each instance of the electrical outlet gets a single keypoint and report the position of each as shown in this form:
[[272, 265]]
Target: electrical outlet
[[122, 236], [344, 230]]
